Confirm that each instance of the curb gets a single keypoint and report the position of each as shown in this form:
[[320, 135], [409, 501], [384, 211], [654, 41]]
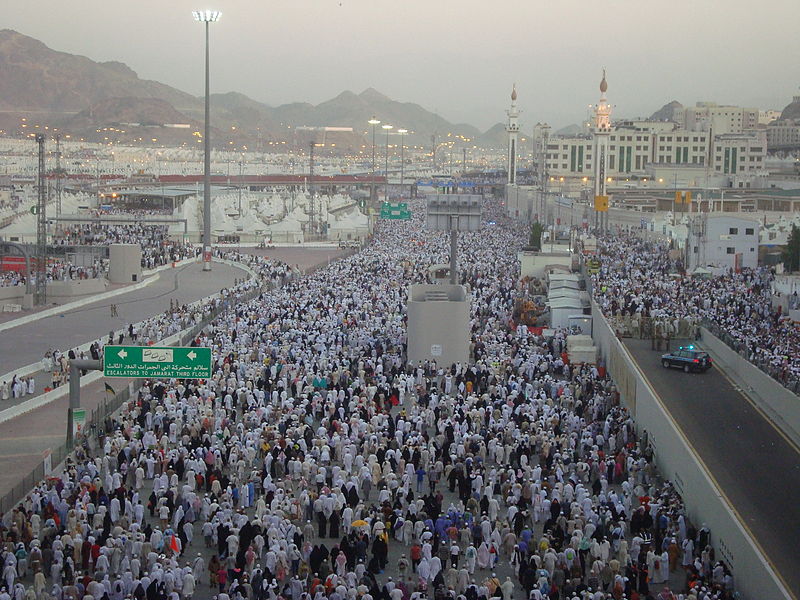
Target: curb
[[47, 397], [91, 299]]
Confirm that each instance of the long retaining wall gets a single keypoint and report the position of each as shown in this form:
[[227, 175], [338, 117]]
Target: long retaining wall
[[781, 405], [678, 462]]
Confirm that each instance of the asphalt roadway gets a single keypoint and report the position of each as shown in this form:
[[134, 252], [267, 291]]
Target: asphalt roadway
[[24, 438], [754, 465], [26, 344], [304, 259]]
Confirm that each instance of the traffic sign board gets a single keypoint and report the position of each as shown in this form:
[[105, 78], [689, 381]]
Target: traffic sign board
[[150, 361], [34, 209], [395, 211]]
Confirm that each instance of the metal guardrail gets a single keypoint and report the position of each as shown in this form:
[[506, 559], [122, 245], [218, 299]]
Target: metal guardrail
[[780, 375]]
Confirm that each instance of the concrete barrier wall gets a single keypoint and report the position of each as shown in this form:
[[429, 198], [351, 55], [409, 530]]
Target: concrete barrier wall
[[64, 291], [12, 294], [58, 292], [781, 405], [678, 462]]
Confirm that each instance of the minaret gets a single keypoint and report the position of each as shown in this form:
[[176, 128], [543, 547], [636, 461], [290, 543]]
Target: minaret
[[513, 132], [600, 152]]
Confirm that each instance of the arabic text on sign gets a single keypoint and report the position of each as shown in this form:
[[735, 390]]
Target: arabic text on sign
[[156, 355]]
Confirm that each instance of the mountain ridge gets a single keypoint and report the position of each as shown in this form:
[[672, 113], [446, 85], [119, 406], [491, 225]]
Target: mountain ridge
[[68, 91]]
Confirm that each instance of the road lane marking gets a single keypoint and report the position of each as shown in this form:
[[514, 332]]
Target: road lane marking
[[709, 473], [759, 410]]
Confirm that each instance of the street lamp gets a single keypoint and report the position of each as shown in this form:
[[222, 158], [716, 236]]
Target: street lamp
[[373, 121], [402, 132], [207, 16], [387, 128]]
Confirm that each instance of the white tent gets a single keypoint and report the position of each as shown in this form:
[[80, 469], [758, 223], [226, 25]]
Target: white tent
[[289, 231], [351, 226], [298, 214]]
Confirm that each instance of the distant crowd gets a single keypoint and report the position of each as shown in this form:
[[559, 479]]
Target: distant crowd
[[637, 277]]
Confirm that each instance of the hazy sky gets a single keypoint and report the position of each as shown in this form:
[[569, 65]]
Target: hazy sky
[[457, 57]]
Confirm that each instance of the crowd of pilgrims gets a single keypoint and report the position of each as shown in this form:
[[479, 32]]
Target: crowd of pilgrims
[[103, 234], [638, 277], [315, 463], [57, 270], [157, 250], [269, 274], [157, 247]]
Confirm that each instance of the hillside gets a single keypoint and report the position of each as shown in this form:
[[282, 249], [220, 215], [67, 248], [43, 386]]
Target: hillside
[[666, 112], [80, 95], [35, 77]]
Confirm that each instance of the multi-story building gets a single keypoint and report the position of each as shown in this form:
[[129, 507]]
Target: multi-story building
[[739, 153], [636, 151], [719, 119], [722, 240], [783, 133], [765, 117]]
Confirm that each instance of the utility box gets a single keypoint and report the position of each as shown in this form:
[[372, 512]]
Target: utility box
[[438, 324], [124, 263]]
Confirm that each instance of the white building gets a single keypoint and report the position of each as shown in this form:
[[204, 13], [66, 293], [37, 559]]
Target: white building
[[721, 240], [765, 117], [783, 133], [636, 151], [719, 119], [740, 155]]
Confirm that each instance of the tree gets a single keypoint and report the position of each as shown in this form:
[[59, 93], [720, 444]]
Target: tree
[[535, 238], [791, 254]]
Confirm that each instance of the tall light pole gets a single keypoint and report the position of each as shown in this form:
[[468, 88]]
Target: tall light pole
[[207, 17], [402, 132], [241, 165], [373, 121], [387, 128]]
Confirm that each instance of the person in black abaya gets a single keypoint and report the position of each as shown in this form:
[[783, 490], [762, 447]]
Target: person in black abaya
[[333, 525], [314, 559], [152, 590], [381, 551], [222, 534], [352, 497]]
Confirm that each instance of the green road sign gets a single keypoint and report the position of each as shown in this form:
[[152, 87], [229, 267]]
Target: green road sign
[[151, 361], [395, 211], [34, 210]]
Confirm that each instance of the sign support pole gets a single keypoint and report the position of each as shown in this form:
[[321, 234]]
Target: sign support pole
[[75, 368], [453, 249]]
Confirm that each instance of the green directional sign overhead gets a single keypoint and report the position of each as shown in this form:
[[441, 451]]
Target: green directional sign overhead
[[151, 361], [399, 210]]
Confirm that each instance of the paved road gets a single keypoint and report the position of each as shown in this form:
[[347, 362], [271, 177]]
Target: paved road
[[754, 465], [27, 343], [303, 258], [24, 438]]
